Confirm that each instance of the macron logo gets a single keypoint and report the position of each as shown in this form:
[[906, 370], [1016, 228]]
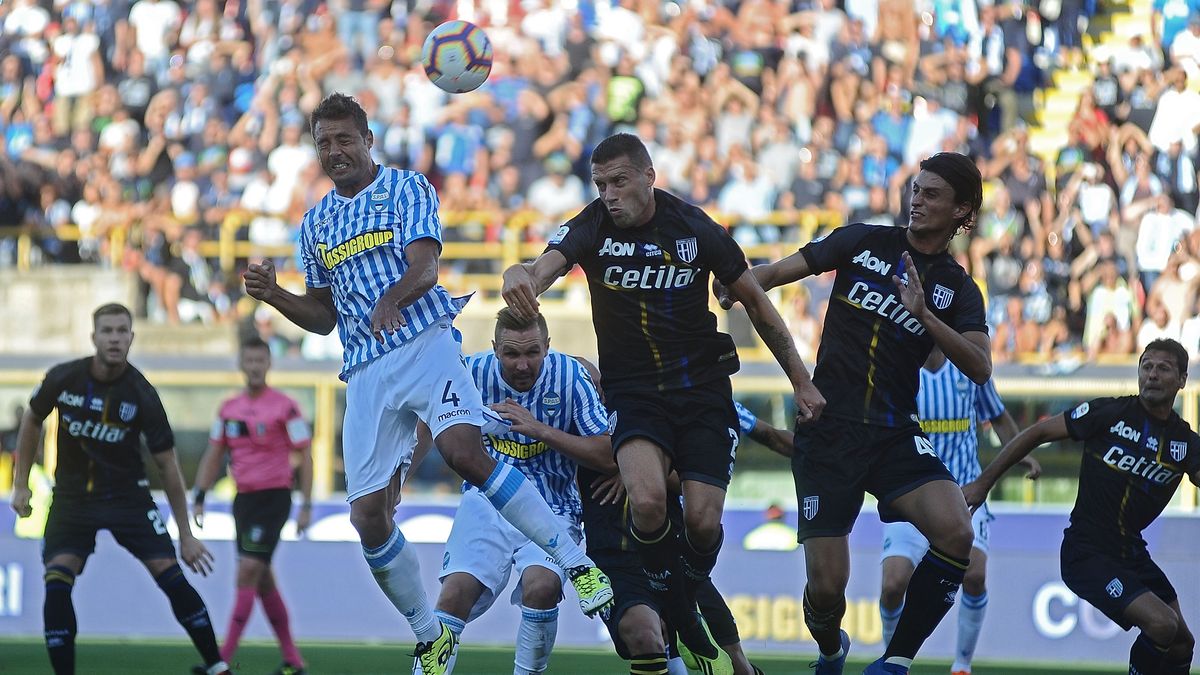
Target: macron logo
[[870, 262]]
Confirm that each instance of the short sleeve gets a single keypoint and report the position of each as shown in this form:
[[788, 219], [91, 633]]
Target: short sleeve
[[216, 434], [988, 405], [315, 273], [968, 308], [746, 419], [589, 414], [832, 250], [155, 427], [721, 254], [577, 234], [298, 433], [1090, 417], [45, 396], [417, 203]]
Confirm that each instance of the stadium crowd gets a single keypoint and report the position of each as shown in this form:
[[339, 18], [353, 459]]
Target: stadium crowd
[[163, 120]]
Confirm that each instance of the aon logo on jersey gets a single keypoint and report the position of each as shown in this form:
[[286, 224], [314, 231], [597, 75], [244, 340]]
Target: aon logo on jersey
[[872, 263], [617, 248], [1125, 431]]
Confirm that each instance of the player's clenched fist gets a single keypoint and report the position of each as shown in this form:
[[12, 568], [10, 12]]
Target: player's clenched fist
[[809, 403], [21, 497], [260, 280]]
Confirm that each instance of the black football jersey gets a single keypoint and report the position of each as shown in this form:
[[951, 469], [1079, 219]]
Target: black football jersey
[[872, 348], [1132, 464], [100, 428], [650, 293]]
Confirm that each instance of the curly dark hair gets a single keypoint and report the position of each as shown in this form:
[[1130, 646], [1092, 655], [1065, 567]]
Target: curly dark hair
[[339, 106]]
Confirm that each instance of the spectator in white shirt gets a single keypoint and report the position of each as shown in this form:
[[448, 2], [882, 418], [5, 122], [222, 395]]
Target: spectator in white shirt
[[1158, 234]]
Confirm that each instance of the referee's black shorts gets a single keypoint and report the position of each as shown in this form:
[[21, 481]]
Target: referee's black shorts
[[259, 518]]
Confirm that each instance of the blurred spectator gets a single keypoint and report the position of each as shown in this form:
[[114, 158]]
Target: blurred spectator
[[1158, 233]]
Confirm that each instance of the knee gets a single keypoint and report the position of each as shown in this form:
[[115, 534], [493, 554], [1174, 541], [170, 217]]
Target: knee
[[541, 593], [641, 637], [1162, 629], [372, 523], [703, 525], [974, 582], [955, 539], [1185, 642], [649, 506], [59, 579]]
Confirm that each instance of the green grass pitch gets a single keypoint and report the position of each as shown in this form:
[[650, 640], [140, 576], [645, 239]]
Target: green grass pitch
[[110, 657]]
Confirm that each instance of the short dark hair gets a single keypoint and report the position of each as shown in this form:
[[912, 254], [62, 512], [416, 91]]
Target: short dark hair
[[254, 342], [506, 319], [622, 145], [1169, 346], [111, 309], [963, 176], [339, 106]]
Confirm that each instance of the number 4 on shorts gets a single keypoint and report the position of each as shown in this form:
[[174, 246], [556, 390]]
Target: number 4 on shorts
[[924, 447], [449, 396]]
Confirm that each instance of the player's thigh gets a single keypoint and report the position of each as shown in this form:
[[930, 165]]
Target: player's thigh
[[912, 484], [938, 510], [540, 579], [1104, 582], [378, 434], [70, 534], [707, 433], [1154, 617], [717, 614], [439, 387], [481, 544], [644, 466], [258, 519], [829, 467], [140, 528], [643, 439]]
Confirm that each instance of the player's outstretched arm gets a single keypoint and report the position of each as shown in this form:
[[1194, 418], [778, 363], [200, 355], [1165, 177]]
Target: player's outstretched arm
[[194, 553], [770, 275], [775, 335], [1050, 429], [314, 311], [28, 434], [524, 282], [779, 441], [206, 476]]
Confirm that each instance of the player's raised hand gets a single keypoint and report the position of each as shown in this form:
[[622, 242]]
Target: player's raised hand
[[975, 493], [20, 501], [521, 419], [195, 555], [721, 292], [519, 291], [608, 489], [260, 280], [386, 318], [809, 403], [912, 293]]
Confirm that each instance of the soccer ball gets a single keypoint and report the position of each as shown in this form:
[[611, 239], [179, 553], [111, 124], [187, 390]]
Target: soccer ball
[[457, 56]]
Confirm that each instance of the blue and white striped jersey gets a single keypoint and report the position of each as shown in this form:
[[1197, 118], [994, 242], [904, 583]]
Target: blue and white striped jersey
[[562, 397], [746, 419], [356, 246], [950, 405]]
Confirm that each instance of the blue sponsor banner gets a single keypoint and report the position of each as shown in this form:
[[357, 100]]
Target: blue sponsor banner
[[332, 596]]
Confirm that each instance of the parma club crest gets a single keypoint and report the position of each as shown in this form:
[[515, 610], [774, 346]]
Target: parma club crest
[[942, 296], [127, 411], [686, 249], [811, 506], [1178, 450]]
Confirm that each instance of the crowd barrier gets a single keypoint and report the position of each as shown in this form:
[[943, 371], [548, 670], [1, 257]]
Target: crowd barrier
[[1031, 616]]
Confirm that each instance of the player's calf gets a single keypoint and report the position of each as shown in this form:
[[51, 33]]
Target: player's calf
[[191, 613], [58, 614]]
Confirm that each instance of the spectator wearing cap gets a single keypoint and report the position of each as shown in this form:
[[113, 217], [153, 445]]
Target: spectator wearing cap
[[557, 193]]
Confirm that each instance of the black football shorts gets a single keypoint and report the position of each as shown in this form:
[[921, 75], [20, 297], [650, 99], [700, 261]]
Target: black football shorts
[[258, 518], [837, 461], [134, 521], [696, 427], [1108, 583]]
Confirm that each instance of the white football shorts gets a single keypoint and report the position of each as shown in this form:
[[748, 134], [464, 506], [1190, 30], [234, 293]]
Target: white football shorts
[[905, 541], [424, 378], [483, 544]]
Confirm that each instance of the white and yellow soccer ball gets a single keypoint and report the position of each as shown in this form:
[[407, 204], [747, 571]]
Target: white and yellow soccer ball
[[457, 56]]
